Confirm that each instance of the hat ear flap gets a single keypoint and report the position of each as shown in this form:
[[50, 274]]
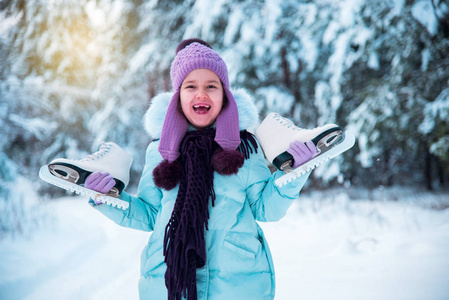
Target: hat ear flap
[[173, 130], [227, 160], [227, 124]]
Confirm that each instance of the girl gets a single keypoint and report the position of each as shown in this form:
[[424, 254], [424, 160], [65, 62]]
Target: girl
[[204, 186]]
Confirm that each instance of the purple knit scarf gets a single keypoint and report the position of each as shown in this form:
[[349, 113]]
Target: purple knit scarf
[[184, 241]]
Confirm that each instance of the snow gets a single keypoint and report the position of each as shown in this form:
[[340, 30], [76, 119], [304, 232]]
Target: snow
[[276, 100], [232, 29], [36, 126], [425, 57], [74, 62], [141, 58], [438, 109], [271, 12], [363, 249], [385, 244], [424, 13], [441, 146], [77, 73], [373, 61], [6, 23], [209, 11], [82, 255]]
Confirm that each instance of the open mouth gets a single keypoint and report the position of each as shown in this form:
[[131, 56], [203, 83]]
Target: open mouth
[[201, 108]]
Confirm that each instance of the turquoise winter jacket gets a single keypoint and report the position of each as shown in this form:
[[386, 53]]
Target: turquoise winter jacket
[[239, 263]]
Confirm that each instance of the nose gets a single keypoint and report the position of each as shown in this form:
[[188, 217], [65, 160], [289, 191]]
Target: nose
[[201, 94]]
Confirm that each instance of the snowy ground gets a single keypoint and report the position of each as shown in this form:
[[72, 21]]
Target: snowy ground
[[384, 245]]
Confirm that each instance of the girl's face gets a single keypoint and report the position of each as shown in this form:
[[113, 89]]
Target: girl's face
[[201, 97]]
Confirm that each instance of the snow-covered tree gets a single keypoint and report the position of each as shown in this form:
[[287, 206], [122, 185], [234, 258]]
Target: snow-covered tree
[[73, 73]]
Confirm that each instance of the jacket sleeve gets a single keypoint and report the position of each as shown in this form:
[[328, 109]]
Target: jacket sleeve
[[269, 202], [143, 209]]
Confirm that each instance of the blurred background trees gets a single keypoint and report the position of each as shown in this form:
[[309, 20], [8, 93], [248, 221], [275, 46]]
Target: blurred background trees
[[73, 73]]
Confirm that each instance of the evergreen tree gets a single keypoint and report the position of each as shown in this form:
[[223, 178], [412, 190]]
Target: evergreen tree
[[74, 73]]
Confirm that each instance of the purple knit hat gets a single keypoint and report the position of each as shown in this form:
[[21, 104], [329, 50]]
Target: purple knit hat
[[198, 55]]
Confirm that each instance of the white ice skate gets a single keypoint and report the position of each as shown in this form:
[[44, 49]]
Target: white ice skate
[[276, 133], [71, 174]]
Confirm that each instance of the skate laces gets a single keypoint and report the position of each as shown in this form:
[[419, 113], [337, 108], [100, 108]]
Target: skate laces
[[287, 123], [104, 148]]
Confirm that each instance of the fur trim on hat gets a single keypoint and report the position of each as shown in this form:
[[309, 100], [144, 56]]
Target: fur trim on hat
[[154, 117]]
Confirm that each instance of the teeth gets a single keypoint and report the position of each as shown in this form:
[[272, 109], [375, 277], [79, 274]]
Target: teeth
[[201, 106]]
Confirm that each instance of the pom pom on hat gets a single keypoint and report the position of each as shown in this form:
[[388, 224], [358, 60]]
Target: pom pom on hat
[[187, 42], [227, 162]]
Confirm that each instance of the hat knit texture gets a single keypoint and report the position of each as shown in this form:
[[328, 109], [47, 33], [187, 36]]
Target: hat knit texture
[[197, 56]]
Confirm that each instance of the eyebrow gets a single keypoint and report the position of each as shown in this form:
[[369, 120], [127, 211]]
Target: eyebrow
[[194, 81]]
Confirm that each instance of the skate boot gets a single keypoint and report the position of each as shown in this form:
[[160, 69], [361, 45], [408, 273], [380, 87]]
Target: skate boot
[[276, 133], [71, 174]]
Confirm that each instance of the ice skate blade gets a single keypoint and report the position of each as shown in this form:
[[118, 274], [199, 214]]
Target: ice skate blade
[[344, 145], [45, 175], [323, 142], [77, 175]]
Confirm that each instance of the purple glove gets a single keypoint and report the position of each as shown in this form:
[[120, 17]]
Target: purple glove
[[101, 182], [302, 152]]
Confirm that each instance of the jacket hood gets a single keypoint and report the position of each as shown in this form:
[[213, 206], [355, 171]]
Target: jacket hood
[[154, 117]]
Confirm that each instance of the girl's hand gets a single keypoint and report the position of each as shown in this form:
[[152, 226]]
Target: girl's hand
[[302, 152], [101, 182]]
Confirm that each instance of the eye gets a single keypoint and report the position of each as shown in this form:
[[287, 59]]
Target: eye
[[211, 86], [189, 86]]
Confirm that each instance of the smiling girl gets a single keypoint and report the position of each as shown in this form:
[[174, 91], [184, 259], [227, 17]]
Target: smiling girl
[[204, 186], [201, 97]]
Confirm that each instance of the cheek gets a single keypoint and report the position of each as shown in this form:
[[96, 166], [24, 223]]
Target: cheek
[[219, 101], [183, 103]]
